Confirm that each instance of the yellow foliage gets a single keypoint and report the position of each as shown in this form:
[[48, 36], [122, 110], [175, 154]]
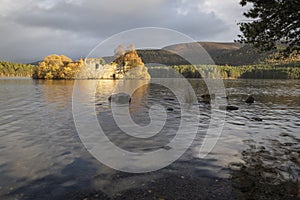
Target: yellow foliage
[[48, 75], [278, 58], [57, 67], [130, 59]]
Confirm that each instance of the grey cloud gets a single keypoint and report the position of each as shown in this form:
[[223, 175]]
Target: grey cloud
[[73, 27]]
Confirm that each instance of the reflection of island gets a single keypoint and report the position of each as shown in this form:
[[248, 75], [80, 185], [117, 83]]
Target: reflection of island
[[97, 92], [137, 89], [57, 93]]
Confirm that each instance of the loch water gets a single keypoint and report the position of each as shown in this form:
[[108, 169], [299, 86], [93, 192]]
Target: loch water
[[42, 155]]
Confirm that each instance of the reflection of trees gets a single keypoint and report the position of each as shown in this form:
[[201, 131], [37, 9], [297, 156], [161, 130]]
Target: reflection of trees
[[104, 89], [137, 88], [57, 92], [139, 97], [267, 173]]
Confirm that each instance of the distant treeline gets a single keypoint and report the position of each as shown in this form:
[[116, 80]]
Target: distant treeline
[[261, 71], [11, 69], [69, 69]]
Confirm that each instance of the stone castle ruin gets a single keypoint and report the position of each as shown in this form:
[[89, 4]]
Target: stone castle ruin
[[96, 68]]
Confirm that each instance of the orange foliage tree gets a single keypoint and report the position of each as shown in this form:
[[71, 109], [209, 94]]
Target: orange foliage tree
[[130, 58], [57, 67]]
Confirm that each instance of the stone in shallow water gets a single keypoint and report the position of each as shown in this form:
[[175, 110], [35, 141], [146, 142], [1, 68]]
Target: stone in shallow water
[[228, 107], [257, 119], [169, 99], [235, 166], [120, 98], [250, 100], [208, 96], [170, 109], [166, 147]]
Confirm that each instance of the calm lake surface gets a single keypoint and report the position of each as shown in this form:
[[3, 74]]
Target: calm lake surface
[[42, 157]]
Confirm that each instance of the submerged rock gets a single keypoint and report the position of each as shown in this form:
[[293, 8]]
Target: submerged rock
[[120, 98], [166, 147], [203, 102], [169, 99], [228, 107], [250, 100], [257, 119], [207, 97]]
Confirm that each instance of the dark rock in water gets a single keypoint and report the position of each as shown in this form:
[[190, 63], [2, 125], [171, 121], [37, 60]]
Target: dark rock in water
[[120, 98], [284, 135], [169, 99], [207, 97], [203, 101], [170, 109], [98, 104], [166, 147], [250, 100], [229, 107], [235, 166], [257, 119], [232, 108]]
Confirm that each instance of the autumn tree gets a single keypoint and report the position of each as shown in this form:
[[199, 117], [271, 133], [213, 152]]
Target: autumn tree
[[127, 59], [57, 67], [270, 22]]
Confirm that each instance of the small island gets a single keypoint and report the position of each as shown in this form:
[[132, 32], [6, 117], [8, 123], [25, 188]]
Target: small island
[[126, 64]]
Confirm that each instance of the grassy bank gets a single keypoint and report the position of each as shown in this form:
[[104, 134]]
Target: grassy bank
[[260, 71]]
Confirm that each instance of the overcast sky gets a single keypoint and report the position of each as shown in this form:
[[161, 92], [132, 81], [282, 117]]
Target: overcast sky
[[33, 29]]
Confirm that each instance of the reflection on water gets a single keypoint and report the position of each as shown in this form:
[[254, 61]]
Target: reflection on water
[[42, 157]]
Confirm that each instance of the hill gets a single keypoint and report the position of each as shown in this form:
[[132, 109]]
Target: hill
[[213, 49], [225, 53], [222, 54]]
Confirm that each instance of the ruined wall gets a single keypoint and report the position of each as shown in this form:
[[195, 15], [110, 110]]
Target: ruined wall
[[94, 68]]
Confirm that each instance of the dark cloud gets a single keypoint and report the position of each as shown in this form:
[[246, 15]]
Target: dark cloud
[[30, 31]]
